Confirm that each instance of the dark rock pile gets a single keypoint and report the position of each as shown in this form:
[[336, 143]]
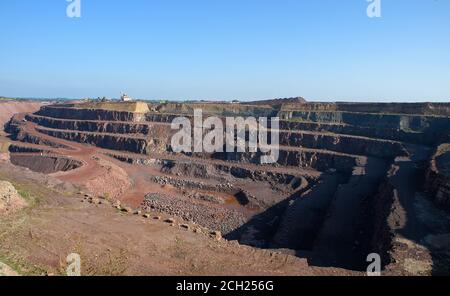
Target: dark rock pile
[[214, 218]]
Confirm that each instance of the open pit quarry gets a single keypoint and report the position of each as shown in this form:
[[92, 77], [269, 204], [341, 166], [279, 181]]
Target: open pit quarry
[[351, 179]]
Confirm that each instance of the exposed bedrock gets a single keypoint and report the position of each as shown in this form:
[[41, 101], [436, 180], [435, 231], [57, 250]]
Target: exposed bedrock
[[322, 222], [438, 177], [429, 137], [44, 164], [416, 129], [408, 123], [377, 233], [90, 126], [160, 133], [192, 184], [18, 134], [221, 172], [13, 148], [298, 158], [439, 187], [319, 160], [344, 144], [225, 174], [439, 109], [216, 171], [339, 240], [346, 183], [331, 223], [202, 201], [339, 143], [109, 141], [435, 133], [413, 219], [90, 114], [303, 217]]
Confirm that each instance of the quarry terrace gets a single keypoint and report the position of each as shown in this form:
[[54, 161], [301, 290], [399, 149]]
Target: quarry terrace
[[351, 179]]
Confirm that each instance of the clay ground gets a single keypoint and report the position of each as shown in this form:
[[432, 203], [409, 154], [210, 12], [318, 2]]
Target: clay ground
[[38, 239]]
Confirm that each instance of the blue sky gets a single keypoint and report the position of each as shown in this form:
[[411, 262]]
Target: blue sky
[[227, 49]]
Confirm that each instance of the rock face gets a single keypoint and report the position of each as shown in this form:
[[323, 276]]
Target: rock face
[[435, 127], [319, 160], [440, 187], [91, 126], [422, 138], [45, 164], [343, 143], [435, 109], [10, 200], [107, 141], [438, 176]]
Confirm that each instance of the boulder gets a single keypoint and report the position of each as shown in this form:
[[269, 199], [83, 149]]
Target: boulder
[[185, 226], [217, 235], [117, 205], [127, 210], [94, 200]]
